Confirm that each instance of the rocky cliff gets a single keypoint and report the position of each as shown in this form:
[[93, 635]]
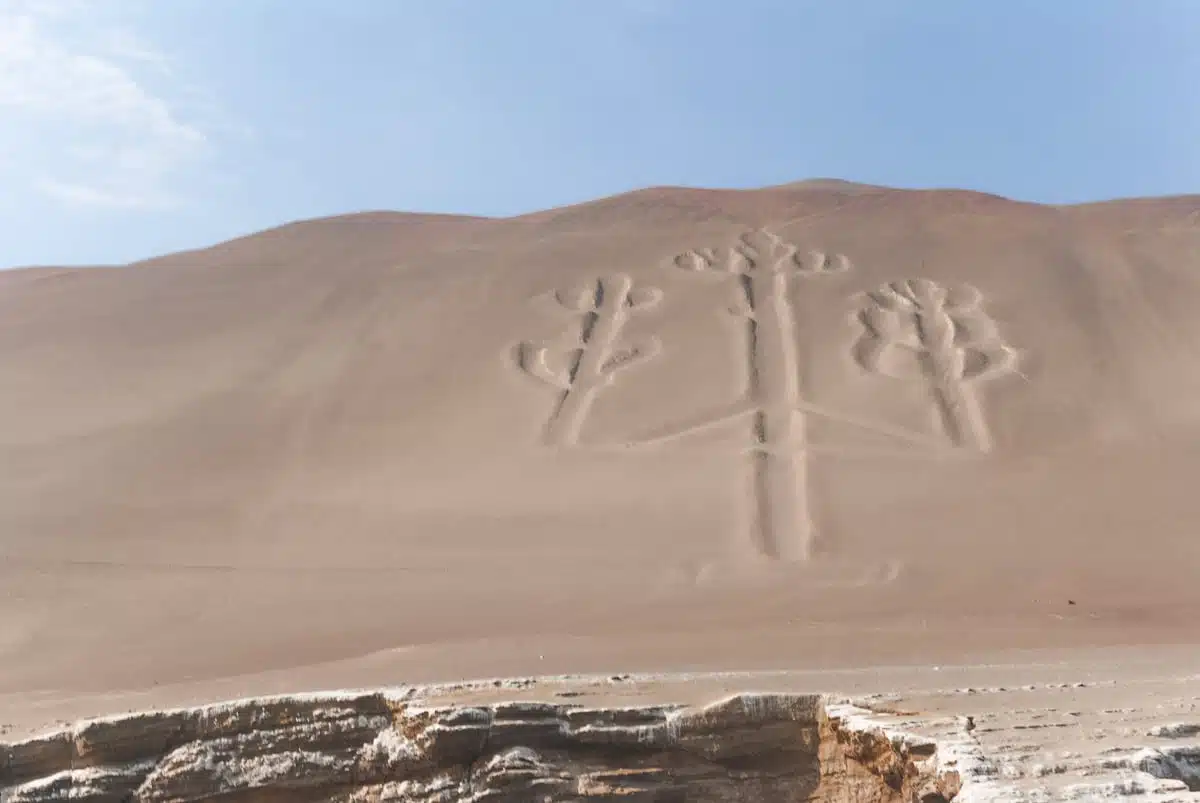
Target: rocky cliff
[[403, 745]]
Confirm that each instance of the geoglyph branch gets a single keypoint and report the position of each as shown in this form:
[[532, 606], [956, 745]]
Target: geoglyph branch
[[918, 330], [580, 369]]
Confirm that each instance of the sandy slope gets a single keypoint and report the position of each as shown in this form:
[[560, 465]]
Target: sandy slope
[[369, 435]]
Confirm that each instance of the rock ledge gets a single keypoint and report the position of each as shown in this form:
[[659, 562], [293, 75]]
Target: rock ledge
[[408, 744]]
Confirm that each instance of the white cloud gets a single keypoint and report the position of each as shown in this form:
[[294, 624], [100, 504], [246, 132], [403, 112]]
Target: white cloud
[[82, 123], [126, 46], [84, 195]]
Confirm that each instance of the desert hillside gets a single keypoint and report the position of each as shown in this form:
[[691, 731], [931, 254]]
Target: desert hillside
[[818, 424]]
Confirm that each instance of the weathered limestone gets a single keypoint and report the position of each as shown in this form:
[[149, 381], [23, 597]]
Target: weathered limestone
[[395, 746], [577, 740]]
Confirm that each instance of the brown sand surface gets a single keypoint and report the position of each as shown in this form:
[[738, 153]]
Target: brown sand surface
[[813, 426]]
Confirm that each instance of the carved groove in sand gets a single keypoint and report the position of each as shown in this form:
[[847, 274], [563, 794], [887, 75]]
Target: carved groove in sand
[[579, 369], [918, 330], [763, 267]]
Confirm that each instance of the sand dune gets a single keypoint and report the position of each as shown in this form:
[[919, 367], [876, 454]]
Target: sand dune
[[818, 424]]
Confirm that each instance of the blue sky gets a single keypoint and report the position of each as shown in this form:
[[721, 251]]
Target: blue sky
[[130, 128]]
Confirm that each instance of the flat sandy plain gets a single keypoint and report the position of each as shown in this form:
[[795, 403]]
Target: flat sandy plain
[[817, 428]]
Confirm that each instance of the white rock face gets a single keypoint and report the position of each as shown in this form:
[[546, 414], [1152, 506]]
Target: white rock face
[[560, 740], [403, 746]]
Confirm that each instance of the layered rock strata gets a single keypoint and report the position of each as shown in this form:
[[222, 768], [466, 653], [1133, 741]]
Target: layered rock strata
[[397, 746], [636, 739]]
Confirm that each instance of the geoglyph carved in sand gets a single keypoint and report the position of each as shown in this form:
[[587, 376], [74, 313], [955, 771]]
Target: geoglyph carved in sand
[[916, 329], [764, 267], [912, 329], [581, 368]]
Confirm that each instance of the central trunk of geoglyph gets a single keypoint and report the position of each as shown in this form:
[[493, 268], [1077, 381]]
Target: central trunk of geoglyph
[[783, 527]]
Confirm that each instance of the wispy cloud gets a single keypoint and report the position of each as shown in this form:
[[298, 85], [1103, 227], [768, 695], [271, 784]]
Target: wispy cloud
[[85, 195], [87, 107]]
